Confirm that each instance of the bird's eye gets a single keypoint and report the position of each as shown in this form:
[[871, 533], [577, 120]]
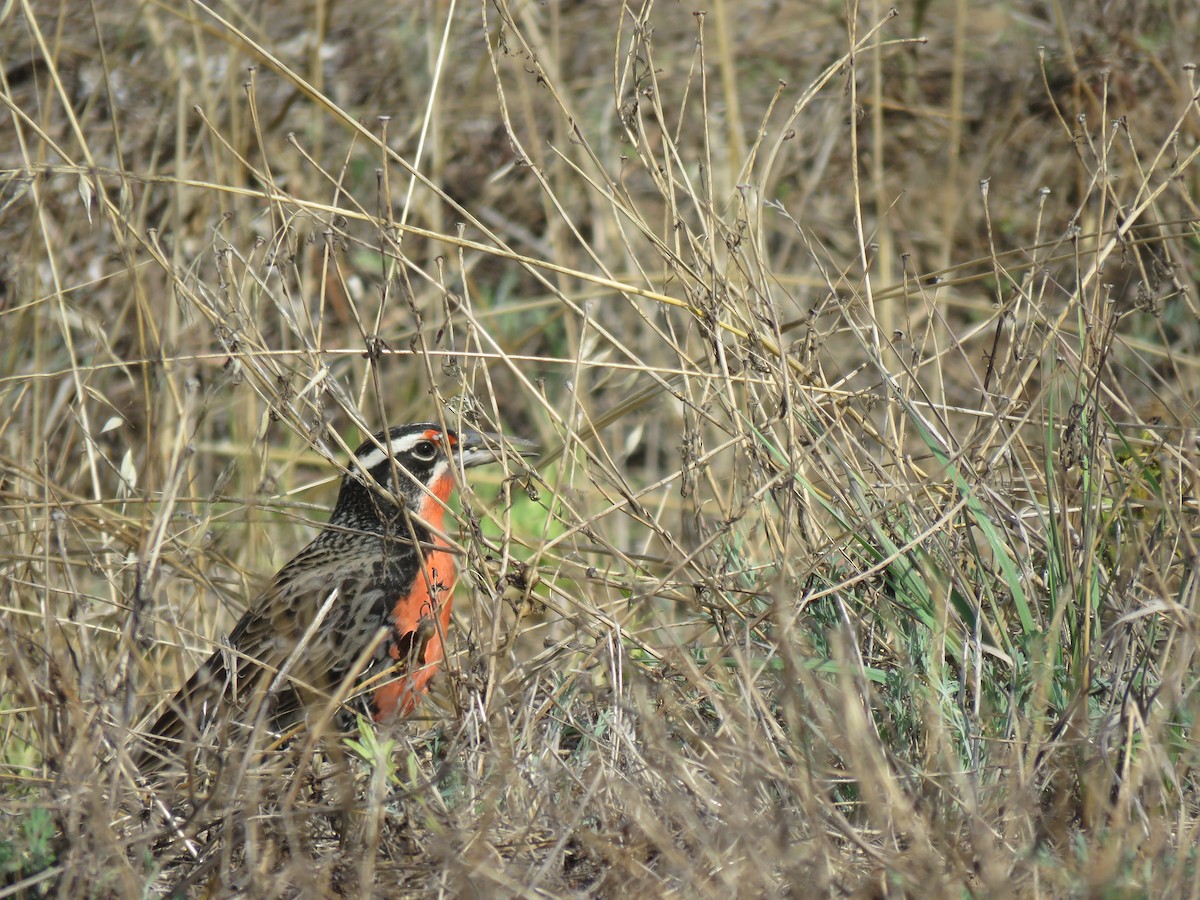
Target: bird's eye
[[425, 451]]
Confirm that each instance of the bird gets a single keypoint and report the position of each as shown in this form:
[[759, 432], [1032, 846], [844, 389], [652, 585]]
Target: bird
[[367, 600]]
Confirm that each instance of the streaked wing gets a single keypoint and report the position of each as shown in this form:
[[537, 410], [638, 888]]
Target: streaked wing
[[231, 686]]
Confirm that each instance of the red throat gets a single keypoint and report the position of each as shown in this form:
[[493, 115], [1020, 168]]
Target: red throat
[[422, 617], [441, 488]]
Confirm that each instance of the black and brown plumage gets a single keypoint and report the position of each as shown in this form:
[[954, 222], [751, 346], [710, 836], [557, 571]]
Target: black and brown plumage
[[368, 600]]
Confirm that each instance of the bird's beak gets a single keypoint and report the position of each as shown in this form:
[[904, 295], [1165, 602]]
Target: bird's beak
[[475, 448]]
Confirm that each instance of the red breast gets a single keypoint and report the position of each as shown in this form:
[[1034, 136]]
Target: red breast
[[424, 611]]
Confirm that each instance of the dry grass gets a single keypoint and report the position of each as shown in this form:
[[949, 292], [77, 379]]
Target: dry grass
[[864, 556]]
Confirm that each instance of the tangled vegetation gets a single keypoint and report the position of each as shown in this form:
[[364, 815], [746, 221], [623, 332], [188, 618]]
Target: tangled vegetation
[[863, 344]]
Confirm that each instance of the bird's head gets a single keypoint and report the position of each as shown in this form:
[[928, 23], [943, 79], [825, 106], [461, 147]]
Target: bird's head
[[413, 463]]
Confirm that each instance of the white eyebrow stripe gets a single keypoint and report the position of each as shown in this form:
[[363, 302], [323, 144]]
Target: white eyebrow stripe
[[371, 460], [395, 446]]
